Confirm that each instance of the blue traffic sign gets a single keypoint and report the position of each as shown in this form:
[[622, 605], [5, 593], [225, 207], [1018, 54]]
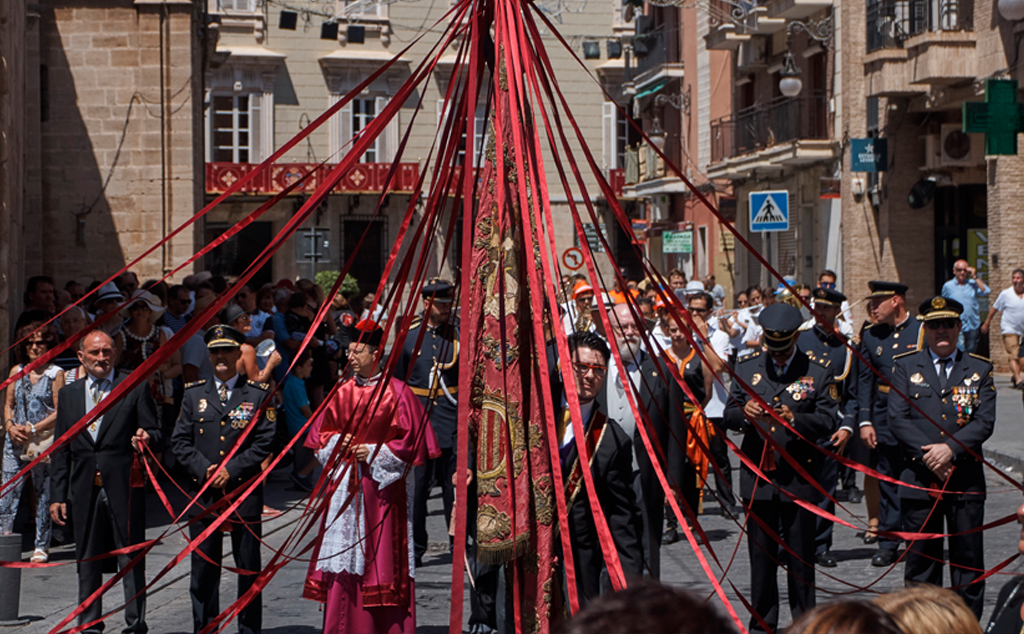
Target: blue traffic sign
[[769, 211]]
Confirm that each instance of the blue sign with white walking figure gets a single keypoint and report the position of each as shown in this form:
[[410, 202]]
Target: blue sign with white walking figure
[[769, 211]]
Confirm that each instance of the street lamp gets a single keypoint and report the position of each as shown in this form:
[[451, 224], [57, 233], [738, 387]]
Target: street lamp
[[657, 135], [790, 85], [1012, 10]]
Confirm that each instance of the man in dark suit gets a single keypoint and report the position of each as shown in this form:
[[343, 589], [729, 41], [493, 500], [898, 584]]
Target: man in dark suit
[[803, 393], [610, 456], [214, 415], [663, 399], [821, 341], [92, 472], [940, 446], [431, 370], [894, 333]]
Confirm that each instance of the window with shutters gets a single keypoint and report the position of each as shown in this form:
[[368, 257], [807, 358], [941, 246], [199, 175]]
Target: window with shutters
[[233, 128], [235, 6], [615, 136], [480, 133], [363, 113], [353, 119]]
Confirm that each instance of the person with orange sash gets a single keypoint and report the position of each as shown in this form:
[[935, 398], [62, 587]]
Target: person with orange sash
[[371, 434]]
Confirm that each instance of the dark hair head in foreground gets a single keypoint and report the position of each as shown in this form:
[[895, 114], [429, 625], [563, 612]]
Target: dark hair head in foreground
[[847, 617], [651, 608]]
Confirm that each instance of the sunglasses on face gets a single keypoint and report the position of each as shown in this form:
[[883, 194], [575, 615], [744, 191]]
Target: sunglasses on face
[[939, 324], [699, 310], [582, 369]]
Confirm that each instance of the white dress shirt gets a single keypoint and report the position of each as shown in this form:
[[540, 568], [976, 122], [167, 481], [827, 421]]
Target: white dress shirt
[[90, 380], [586, 409], [618, 402], [230, 383]]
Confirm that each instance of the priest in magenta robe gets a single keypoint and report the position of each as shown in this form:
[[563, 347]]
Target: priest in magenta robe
[[370, 435]]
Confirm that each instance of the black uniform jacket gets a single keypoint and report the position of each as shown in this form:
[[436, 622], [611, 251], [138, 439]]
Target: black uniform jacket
[[612, 468], [415, 367], [75, 463], [879, 345], [207, 430], [964, 409], [808, 389], [830, 348]]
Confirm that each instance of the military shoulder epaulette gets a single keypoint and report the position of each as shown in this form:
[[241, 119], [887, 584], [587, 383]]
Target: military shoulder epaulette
[[822, 362], [807, 325], [195, 383], [416, 321], [905, 354], [751, 356], [980, 358], [257, 384]]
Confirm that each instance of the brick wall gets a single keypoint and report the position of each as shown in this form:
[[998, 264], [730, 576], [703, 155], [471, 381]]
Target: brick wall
[[12, 140]]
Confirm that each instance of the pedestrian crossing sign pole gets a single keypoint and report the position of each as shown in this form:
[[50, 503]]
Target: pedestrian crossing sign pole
[[769, 211]]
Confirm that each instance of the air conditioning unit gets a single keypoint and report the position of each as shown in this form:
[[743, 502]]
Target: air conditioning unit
[[960, 149]]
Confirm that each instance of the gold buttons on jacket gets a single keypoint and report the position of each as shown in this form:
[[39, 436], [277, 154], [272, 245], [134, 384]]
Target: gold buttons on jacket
[[222, 453], [773, 429], [222, 438], [222, 423], [200, 430]]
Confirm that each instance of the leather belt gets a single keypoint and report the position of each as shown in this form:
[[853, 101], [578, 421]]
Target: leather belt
[[884, 389], [97, 479], [433, 393]]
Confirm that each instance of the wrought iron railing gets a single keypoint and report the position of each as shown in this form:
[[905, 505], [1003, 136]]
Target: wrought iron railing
[[890, 22], [779, 121]]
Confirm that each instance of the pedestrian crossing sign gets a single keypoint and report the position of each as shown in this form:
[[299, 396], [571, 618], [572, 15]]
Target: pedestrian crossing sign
[[769, 211]]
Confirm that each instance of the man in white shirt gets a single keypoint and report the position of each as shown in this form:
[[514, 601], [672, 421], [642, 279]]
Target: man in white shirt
[[1011, 303]]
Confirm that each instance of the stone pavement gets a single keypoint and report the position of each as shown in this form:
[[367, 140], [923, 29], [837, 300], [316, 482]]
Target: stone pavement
[[49, 594]]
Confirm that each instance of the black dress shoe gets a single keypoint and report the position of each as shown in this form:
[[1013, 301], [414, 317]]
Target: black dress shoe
[[671, 536], [855, 496], [732, 510], [884, 558], [826, 560], [870, 537]]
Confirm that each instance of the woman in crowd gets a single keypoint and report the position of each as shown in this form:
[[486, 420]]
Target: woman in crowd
[[138, 340], [30, 413], [1008, 617], [927, 609], [848, 617]]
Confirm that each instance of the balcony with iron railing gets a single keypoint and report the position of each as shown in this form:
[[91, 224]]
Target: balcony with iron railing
[[784, 131], [915, 43], [891, 23], [658, 55]]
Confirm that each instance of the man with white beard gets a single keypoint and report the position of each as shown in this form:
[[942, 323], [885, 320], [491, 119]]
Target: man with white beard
[[651, 382]]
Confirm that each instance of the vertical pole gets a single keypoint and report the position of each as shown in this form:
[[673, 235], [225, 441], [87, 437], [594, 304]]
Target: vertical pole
[[10, 580]]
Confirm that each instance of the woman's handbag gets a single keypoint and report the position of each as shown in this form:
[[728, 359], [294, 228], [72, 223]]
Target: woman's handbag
[[37, 444]]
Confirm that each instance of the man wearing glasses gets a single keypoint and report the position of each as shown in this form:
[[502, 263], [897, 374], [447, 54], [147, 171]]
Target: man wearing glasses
[[894, 333], [965, 288], [940, 445], [610, 456]]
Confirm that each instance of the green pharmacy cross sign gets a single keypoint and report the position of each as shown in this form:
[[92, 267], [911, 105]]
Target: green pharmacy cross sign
[[1000, 117]]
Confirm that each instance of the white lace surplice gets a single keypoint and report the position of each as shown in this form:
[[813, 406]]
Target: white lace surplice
[[341, 547]]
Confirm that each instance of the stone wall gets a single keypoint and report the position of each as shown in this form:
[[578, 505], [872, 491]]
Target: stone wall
[[118, 139], [13, 21]]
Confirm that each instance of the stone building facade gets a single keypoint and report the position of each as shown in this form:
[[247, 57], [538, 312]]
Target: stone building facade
[[268, 79], [110, 137]]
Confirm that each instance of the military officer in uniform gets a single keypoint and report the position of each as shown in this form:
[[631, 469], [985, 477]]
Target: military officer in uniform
[[214, 415], [431, 370], [821, 341], [939, 448], [803, 393], [894, 333]]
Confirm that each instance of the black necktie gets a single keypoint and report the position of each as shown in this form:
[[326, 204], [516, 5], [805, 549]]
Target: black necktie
[[943, 364]]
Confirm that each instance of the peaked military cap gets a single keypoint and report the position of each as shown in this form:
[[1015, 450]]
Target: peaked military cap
[[367, 331], [939, 307], [828, 296], [221, 336], [439, 290], [780, 322], [886, 289]]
